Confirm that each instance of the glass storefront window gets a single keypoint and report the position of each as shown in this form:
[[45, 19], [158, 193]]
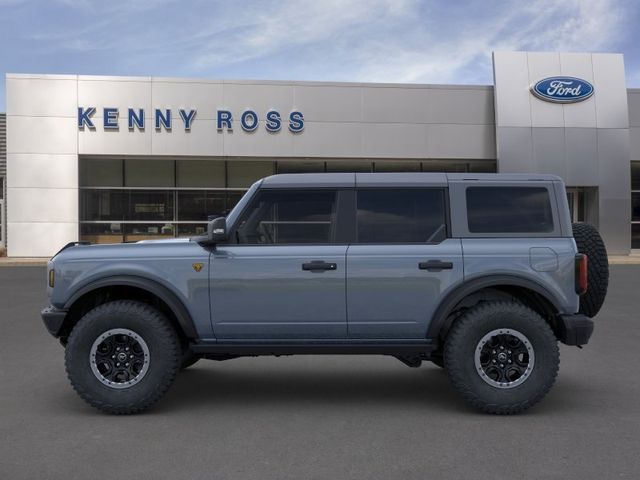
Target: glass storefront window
[[390, 166], [635, 235], [101, 172], [300, 167], [100, 205], [635, 176], [200, 174], [483, 167], [134, 232], [200, 205], [444, 166], [191, 229], [635, 206], [341, 166], [242, 174], [101, 232], [149, 173], [150, 205]]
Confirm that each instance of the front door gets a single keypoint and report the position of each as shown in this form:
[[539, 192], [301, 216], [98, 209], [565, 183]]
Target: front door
[[401, 264], [284, 278]]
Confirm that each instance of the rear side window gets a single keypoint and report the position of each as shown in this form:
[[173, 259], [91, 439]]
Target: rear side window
[[509, 210], [401, 215]]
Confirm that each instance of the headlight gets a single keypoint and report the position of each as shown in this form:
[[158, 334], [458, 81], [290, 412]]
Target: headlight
[[52, 277]]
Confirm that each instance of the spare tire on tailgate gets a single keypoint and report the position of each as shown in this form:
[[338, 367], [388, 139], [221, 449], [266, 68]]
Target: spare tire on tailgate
[[590, 243]]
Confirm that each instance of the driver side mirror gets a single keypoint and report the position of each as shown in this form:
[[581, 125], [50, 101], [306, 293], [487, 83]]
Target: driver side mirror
[[217, 230]]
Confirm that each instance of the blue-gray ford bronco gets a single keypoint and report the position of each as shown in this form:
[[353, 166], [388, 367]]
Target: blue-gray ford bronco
[[482, 274]]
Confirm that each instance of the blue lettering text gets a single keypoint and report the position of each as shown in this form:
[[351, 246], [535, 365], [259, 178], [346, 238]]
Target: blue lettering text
[[163, 120], [187, 118], [296, 122], [84, 117], [274, 122], [135, 120], [249, 120], [225, 119], [110, 118]]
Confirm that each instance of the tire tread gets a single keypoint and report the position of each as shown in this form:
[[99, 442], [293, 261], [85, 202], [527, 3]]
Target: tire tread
[[167, 334], [454, 363], [590, 243]]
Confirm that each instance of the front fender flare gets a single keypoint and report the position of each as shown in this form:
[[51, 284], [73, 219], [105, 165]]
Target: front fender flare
[[174, 303]]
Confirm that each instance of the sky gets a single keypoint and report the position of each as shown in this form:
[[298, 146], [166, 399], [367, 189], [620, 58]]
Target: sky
[[396, 41]]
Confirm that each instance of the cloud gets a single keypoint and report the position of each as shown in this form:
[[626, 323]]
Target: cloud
[[401, 41], [274, 27], [431, 41]]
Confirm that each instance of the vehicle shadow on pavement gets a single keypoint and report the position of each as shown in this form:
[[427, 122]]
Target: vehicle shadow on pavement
[[214, 385]]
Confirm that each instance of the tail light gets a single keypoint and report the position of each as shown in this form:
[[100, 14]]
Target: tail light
[[582, 280]]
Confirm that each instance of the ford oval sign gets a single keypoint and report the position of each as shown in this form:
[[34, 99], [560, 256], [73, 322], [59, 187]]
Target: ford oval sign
[[562, 89]]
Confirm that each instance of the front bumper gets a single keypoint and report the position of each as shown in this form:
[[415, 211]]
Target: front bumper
[[53, 319], [574, 329]]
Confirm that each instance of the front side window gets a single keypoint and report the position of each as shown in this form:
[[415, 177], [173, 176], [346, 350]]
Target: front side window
[[289, 217], [401, 215], [509, 210]]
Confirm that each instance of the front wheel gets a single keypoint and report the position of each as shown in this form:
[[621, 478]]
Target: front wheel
[[122, 356], [502, 357]]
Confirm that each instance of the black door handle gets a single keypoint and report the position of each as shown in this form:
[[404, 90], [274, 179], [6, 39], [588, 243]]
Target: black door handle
[[319, 266], [435, 265]]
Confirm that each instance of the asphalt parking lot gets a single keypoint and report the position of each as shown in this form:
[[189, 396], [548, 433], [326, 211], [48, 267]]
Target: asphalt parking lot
[[318, 417]]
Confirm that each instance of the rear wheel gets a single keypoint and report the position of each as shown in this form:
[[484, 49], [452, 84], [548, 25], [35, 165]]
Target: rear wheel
[[502, 357], [122, 356]]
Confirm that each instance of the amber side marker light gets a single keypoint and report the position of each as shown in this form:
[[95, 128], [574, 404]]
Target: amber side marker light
[[52, 277], [582, 280]]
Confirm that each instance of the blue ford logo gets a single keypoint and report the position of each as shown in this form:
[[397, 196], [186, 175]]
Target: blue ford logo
[[562, 89]]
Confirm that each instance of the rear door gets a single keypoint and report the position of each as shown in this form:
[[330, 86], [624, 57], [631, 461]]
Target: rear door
[[401, 263]]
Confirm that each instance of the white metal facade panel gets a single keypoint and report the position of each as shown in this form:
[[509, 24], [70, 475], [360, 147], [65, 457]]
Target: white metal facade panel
[[42, 96], [41, 134], [612, 103], [586, 143], [29, 170], [543, 65], [581, 114], [39, 239]]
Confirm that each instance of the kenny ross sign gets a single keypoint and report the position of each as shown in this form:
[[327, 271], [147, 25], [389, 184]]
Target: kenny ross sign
[[164, 119]]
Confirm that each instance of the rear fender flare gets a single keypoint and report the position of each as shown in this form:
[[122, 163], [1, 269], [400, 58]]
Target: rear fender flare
[[439, 322]]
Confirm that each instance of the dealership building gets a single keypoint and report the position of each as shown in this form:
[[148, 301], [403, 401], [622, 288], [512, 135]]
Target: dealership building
[[118, 159]]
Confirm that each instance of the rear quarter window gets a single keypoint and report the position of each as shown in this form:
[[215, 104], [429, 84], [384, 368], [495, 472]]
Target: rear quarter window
[[509, 210]]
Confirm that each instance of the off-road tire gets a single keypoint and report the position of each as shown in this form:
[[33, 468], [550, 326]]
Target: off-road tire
[[164, 356], [589, 242], [464, 338]]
